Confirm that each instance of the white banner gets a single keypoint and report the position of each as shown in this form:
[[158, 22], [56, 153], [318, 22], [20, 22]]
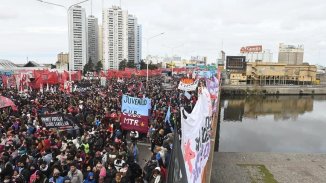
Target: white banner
[[188, 87], [195, 139]]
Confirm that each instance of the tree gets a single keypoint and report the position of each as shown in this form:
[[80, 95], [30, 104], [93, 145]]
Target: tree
[[152, 66], [98, 66], [89, 66], [131, 64], [122, 65], [142, 64]]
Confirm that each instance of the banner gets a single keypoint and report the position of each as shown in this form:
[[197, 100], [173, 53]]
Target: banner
[[58, 121], [134, 122], [212, 86], [133, 105], [195, 141], [188, 87]]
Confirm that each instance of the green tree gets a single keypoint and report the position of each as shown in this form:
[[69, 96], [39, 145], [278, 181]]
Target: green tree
[[152, 66], [131, 64], [142, 64], [98, 66], [89, 66], [122, 65]]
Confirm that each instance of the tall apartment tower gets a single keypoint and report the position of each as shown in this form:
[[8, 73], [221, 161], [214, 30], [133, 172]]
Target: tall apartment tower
[[92, 38], [115, 37], [132, 38], [290, 54], [139, 43], [100, 43], [77, 38]]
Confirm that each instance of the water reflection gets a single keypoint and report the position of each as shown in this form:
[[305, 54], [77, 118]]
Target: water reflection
[[280, 107], [272, 124]]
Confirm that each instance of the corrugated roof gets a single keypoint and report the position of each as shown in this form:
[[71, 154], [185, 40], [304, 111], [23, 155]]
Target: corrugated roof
[[7, 65]]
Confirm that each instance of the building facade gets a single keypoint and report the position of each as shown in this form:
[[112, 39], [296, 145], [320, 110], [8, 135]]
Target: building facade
[[100, 43], [77, 38], [115, 37], [92, 38], [290, 54], [62, 61], [134, 40], [139, 43]]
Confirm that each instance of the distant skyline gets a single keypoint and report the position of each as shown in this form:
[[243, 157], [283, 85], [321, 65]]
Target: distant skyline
[[39, 31]]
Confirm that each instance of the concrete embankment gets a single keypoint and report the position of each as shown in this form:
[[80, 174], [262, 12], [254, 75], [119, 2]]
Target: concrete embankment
[[269, 168], [273, 90]]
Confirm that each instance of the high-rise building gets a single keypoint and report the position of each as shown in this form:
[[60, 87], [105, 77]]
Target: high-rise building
[[290, 54], [132, 38], [77, 38], [115, 37], [100, 43], [139, 43], [92, 38]]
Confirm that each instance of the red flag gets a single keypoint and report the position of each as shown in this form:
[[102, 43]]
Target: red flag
[[6, 102]]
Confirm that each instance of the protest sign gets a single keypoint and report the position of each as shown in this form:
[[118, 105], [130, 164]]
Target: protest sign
[[134, 122], [188, 86], [133, 105], [59, 121], [195, 141]]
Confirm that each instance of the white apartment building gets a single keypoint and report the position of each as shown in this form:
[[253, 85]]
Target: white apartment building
[[92, 38], [77, 38], [115, 37]]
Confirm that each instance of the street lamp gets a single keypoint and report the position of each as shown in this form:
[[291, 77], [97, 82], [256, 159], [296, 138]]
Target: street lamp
[[147, 40], [67, 9]]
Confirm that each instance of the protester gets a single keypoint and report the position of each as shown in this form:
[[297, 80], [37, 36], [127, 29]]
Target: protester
[[96, 148]]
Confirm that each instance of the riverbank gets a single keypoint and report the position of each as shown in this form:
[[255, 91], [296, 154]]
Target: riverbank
[[269, 168], [273, 90]]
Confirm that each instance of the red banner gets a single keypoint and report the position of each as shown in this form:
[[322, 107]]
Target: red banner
[[134, 122]]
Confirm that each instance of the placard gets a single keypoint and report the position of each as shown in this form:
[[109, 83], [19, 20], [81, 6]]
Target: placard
[[133, 105], [134, 122]]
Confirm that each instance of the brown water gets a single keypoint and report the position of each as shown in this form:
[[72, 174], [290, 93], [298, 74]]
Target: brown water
[[272, 124]]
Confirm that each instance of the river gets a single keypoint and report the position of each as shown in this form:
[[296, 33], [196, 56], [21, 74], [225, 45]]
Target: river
[[272, 124]]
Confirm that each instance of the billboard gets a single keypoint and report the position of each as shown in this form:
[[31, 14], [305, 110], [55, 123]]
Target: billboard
[[250, 49], [236, 63]]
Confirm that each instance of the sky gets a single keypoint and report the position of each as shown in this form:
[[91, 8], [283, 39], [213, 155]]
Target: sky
[[191, 28]]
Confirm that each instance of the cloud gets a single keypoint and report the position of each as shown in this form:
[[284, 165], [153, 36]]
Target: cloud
[[5, 15], [200, 25]]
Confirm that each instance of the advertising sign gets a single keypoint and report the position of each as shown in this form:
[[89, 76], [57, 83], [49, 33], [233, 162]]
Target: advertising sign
[[250, 49]]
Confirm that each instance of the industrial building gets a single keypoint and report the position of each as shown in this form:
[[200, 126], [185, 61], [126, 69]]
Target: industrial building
[[268, 73], [290, 54]]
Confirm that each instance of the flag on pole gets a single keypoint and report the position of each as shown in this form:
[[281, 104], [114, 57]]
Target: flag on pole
[[167, 118]]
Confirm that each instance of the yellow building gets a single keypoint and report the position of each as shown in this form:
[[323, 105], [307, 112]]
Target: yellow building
[[268, 73]]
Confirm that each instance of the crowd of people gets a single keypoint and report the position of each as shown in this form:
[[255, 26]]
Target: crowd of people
[[98, 150]]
